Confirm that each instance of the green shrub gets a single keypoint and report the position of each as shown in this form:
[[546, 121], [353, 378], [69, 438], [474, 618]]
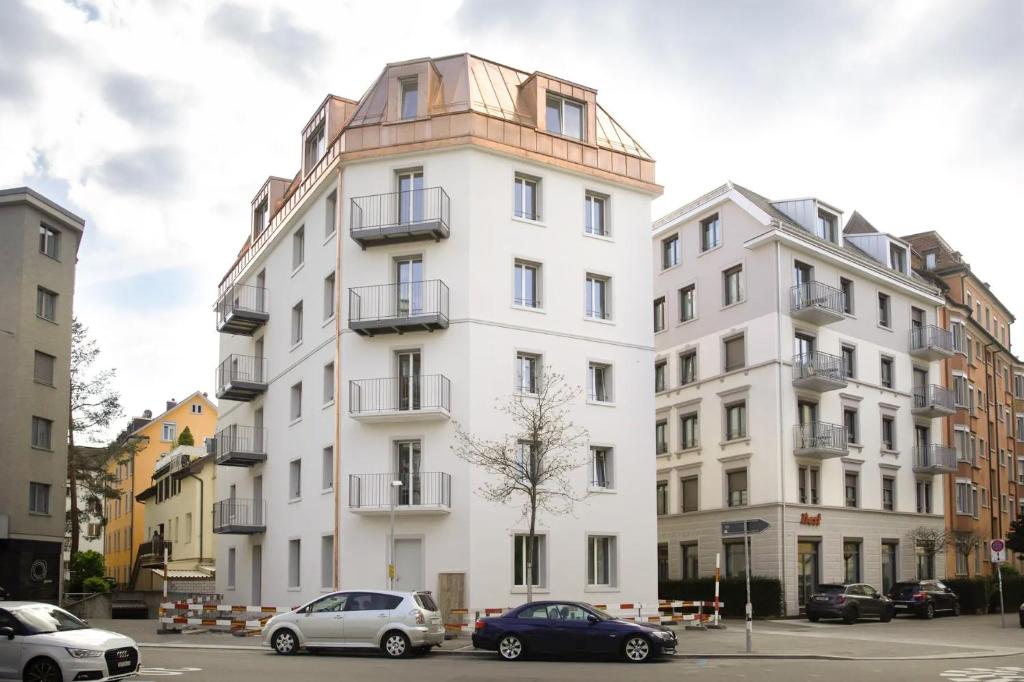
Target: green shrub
[[95, 584], [765, 594], [974, 593], [85, 565], [185, 438], [1013, 592]]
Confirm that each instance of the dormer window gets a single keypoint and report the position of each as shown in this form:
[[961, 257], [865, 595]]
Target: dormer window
[[564, 117], [897, 258], [410, 97], [316, 145], [259, 219], [826, 226], [930, 259]]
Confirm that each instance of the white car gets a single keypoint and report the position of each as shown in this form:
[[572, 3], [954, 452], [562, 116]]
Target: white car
[[397, 623], [44, 643]]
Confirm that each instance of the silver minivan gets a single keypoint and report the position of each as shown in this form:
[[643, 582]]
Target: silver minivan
[[398, 623]]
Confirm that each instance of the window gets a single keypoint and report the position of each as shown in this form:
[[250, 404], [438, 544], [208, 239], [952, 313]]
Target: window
[[327, 561], [736, 420], [961, 394], [962, 445], [527, 372], [43, 370], [661, 496], [259, 219], [897, 258], [410, 96], [930, 259], [690, 562], [957, 328], [735, 353], [851, 561], [328, 383], [49, 241], [327, 468], [595, 214], [1019, 427], [298, 248], [808, 484], [316, 145], [331, 214], [601, 560], [735, 559], [297, 323], [526, 283], [659, 314], [690, 493], [599, 382], [710, 233], [46, 304], [888, 493], [884, 311], [296, 402], [887, 375], [736, 486], [924, 497], [733, 285], [850, 489], [294, 563], [688, 303], [197, 408], [850, 422], [329, 296], [826, 226], [188, 527], [689, 433], [966, 498], [1018, 386], [601, 468], [39, 498], [538, 560], [597, 297], [888, 433], [660, 371], [846, 286], [295, 479], [526, 197], [169, 432], [564, 117], [231, 568], [849, 361], [688, 367], [670, 252], [661, 437], [42, 433], [662, 561], [526, 456]]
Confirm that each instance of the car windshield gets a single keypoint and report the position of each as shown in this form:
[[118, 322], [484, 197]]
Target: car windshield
[[42, 619], [601, 615]]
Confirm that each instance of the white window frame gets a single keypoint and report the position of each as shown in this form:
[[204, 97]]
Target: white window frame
[[597, 545], [521, 211], [602, 467], [294, 563], [539, 560], [563, 102], [295, 479], [520, 290], [595, 219]]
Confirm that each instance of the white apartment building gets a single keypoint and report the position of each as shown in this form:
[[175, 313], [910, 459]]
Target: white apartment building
[[457, 230], [798, 381]]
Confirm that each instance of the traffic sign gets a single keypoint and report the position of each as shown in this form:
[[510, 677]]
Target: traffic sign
[[747, 527], [998, 548]]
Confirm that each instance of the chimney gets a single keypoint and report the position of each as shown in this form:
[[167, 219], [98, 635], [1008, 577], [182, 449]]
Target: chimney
[[171, 403]]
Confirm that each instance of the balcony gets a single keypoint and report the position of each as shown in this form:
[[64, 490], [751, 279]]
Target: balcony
[[816, 303], [152, 554], [421, 493], [398, 308], [235, 516], [933, 401], [818, 371], [238, 446], [241, 378], [413, 215], [931, 343], [820, 440], [412, 398], [934, 459], [242, 309]]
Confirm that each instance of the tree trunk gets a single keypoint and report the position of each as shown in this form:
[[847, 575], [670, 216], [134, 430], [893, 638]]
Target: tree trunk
[[529, 547]]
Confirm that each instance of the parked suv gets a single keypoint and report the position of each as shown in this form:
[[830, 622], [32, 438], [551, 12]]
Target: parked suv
[[924, 598], [397, 623], [849, 602]]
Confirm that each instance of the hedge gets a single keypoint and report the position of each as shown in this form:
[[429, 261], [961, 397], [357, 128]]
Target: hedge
[[765, 594], [974, 593]]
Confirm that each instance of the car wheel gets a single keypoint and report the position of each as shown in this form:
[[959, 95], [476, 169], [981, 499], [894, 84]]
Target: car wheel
[[424, 650], [956, 608], [929, 611], [395, 645], [850, 616], [42, 670], [886, 616], [285, 642], [511, 648], [636, 649], [813, 619]]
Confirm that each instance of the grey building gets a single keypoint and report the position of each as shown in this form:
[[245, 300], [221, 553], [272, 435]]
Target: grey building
[[39, 243]]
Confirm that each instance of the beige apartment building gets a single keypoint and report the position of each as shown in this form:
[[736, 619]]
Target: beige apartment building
[[39, 243]]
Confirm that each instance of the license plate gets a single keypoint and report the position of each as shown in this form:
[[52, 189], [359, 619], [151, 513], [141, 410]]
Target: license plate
[[821, 599], [901, 606], [124, 664]]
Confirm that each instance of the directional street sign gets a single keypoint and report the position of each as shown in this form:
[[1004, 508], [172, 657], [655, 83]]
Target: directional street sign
[[751, 526], [998, 547]]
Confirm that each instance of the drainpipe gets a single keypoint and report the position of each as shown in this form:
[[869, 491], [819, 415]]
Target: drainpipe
[[200, 514], [339, 214], [778, 402]]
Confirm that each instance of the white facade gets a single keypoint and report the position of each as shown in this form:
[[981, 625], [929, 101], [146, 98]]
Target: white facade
[[473, 356], [792, 473]]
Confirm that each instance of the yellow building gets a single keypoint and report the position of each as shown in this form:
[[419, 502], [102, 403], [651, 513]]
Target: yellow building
[[153, 436]]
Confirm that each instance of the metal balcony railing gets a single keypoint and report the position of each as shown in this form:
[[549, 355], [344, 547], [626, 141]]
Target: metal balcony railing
[[820, 437], [242, 309], [400, 216], [934, 458], [400, 395], [241, 377], [398, 307], [818, 365], [152, 551], [239, 445], [934, 397], [814, 295], [376, 491], [931, 337], [237, 515]]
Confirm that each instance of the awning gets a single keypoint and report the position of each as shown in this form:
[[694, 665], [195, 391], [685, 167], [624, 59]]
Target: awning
[[182, 574]]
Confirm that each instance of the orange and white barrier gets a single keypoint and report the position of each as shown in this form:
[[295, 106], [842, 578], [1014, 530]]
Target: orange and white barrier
[[230, 617]]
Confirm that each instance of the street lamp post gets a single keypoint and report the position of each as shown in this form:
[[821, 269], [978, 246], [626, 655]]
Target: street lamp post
[[395, 485]]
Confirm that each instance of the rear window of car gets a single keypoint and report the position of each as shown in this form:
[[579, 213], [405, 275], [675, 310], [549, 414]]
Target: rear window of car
[[831, 589], [372, 601], [425, 601], [904, 588]]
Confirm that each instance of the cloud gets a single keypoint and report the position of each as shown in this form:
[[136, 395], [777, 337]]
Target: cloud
[[290, 50], [91, 11], [137, 100], [25, 39], [153, 171]]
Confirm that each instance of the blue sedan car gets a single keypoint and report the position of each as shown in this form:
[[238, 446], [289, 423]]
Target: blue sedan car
[[549, 628]]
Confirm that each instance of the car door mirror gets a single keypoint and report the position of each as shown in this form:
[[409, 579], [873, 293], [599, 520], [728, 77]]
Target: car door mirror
[[7, 632], [592, 619]]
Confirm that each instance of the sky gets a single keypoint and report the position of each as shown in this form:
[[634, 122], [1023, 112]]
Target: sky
[[158, 122]]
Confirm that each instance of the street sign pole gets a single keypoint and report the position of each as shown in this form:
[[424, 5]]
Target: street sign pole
[[1002, 611], [750, 609], [998, 550]]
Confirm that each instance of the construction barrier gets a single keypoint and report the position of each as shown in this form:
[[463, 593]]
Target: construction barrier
[[666, 612], [238, 619]]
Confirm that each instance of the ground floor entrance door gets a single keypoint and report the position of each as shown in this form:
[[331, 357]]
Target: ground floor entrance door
[[808, 562], [409, 564]]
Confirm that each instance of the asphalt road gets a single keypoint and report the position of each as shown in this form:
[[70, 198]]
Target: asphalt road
[[194, 665]]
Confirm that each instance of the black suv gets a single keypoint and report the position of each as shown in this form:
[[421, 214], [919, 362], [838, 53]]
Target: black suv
[[849, 602], [924, 598]]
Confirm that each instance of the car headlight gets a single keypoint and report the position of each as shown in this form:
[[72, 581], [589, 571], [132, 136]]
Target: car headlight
[[663, 634], [83, 653]]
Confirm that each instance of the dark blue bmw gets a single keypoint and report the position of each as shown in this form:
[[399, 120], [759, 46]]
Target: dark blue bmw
[[548, 628]]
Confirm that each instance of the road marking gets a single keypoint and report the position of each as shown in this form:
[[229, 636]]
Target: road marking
[[166, 672], [1002, 674]]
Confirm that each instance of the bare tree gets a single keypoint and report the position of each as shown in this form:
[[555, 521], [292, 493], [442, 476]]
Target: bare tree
[[536, 460], [930, 540]]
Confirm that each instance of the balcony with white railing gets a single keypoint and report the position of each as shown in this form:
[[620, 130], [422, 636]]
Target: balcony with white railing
[[820, 440], [816, 303], [409, 398], [817, 371], [425, 492], [933, 401]]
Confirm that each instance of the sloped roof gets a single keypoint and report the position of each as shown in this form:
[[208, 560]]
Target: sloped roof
[[858, 224]]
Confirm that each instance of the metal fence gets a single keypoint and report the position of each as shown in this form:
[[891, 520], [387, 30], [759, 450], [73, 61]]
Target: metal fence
[[818, 364], [235, 369], [394, 209], [398, 301], [400, 394], [817, 295], [242, 298], [930, 336], [939, 396], [819, 436], [241, 439], [376, 491], [238, 512], [934, 456]]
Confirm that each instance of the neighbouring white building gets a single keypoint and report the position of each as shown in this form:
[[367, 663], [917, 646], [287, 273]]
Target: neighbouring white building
[[457, 229], [798, 381]]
